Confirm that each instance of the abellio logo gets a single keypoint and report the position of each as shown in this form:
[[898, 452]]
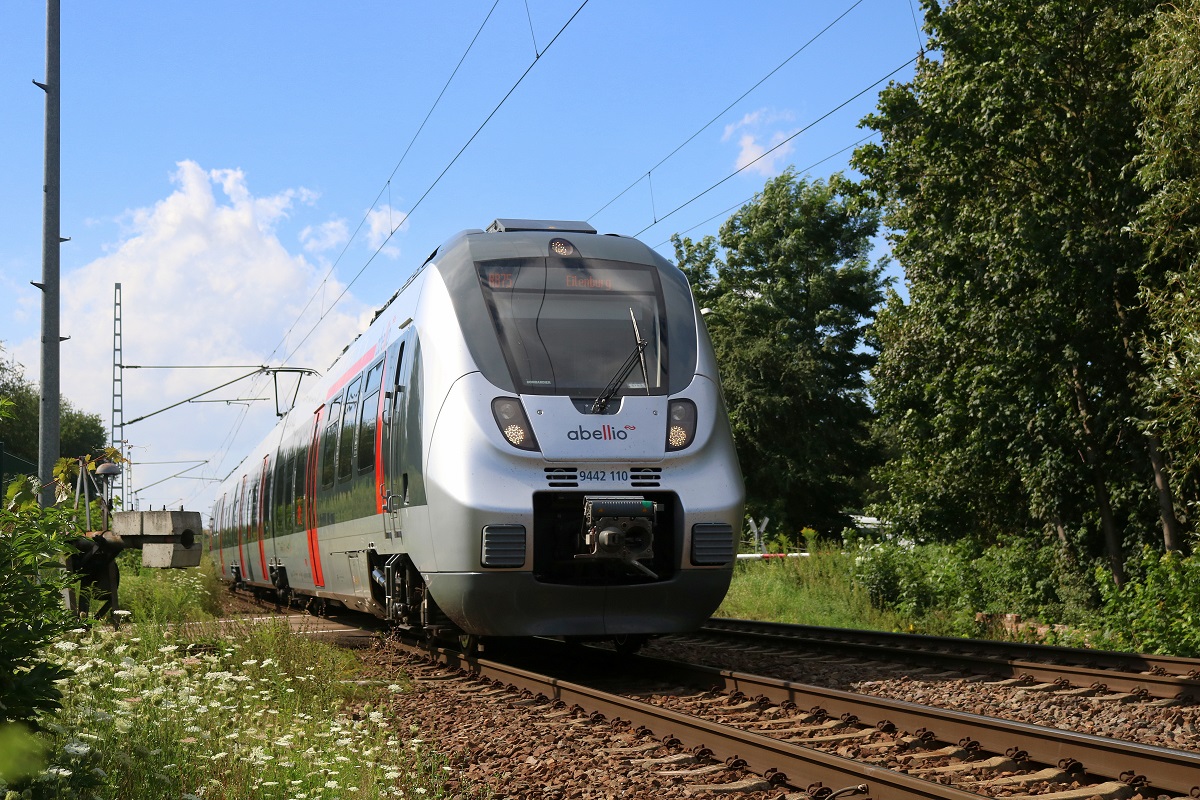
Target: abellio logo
[[603, 433]]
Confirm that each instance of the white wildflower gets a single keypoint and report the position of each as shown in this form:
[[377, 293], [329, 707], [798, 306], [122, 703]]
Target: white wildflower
[[76, 748]]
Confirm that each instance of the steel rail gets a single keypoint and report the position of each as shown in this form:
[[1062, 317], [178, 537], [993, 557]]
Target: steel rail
[[999, 659], [776, 760], [1169, 769]]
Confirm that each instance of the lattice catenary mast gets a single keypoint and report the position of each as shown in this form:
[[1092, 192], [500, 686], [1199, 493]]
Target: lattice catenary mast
[[118, 399]]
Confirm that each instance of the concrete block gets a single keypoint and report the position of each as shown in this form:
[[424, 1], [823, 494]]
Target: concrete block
[[170, 556], [168, 539]]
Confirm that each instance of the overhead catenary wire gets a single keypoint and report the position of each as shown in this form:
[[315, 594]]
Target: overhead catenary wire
[[738, 205], [219, 455], [293, 349], [388, 183], [725, 110], [746, 166], [438, 179], [392, 230]]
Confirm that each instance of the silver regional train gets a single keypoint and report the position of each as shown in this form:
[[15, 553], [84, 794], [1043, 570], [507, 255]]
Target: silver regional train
[[529, 439]]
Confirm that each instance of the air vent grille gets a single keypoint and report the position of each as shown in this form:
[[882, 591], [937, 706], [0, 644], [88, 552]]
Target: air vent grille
[[503, 546], [562, 477], [712, 543], [648, 477]]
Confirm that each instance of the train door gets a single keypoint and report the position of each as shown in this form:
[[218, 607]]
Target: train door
[[243, 529], [264, 513], [220, 531], [393, 482], [310, 496]]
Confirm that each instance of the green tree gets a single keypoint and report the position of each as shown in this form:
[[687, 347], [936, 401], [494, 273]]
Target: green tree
[[1010, 379], [1168, 96], [790, 296], [80, 433]]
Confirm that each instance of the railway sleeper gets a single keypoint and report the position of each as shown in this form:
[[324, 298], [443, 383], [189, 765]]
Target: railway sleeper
[[865, 733], [738, 787], [1047, 775], [772, 725], [699, 772], [950, 751], [996, 762], [1112, 790], [664, 761]]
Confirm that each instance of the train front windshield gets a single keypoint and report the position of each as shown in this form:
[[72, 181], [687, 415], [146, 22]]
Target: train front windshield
[[568, 326]]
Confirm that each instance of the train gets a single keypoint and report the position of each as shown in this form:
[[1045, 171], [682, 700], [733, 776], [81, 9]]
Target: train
[[529, 439]]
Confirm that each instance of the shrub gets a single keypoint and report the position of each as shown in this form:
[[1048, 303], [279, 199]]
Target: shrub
[[33, 544], [941, 587], [1156, 610]]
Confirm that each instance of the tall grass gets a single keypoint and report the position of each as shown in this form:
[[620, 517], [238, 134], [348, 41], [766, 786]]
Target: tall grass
[[816, 590], [166, 596]]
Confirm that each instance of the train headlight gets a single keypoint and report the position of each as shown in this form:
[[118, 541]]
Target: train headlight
[[513, 424], [681, 424], [561, 248]]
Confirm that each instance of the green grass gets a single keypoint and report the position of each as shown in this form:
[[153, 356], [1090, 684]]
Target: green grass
[[227, 710], [179, 704], [166, 596], [817, 590]]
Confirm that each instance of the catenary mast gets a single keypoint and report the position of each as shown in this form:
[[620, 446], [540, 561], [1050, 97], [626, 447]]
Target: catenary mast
[[48, 418]]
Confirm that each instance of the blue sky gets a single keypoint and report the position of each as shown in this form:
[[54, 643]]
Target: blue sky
[[239, 166]]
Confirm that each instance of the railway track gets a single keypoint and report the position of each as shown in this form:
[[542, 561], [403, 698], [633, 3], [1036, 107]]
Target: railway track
[[1116, 676], [719, 730], [820, 741]]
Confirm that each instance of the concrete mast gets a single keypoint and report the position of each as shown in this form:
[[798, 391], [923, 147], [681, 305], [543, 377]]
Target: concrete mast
[[49, 431]]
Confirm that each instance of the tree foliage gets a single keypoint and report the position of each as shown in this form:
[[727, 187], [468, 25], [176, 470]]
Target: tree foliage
[[79, 431], [1168, 97], [790, 293], [1010, 381]]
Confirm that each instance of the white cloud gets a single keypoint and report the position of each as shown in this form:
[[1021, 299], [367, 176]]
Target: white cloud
[[759, 132], [382, 222], [205, 281], [751, 119], [753, 154], [324, 237]]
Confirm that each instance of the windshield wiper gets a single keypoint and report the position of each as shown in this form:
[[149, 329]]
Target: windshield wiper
[[601, 403]]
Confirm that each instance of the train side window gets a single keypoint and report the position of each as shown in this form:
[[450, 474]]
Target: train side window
[[346, 444], [329, 444], [367, 419], [397, 387]]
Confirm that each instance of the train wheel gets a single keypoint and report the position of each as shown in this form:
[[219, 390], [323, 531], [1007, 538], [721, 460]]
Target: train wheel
[[469, 642]]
